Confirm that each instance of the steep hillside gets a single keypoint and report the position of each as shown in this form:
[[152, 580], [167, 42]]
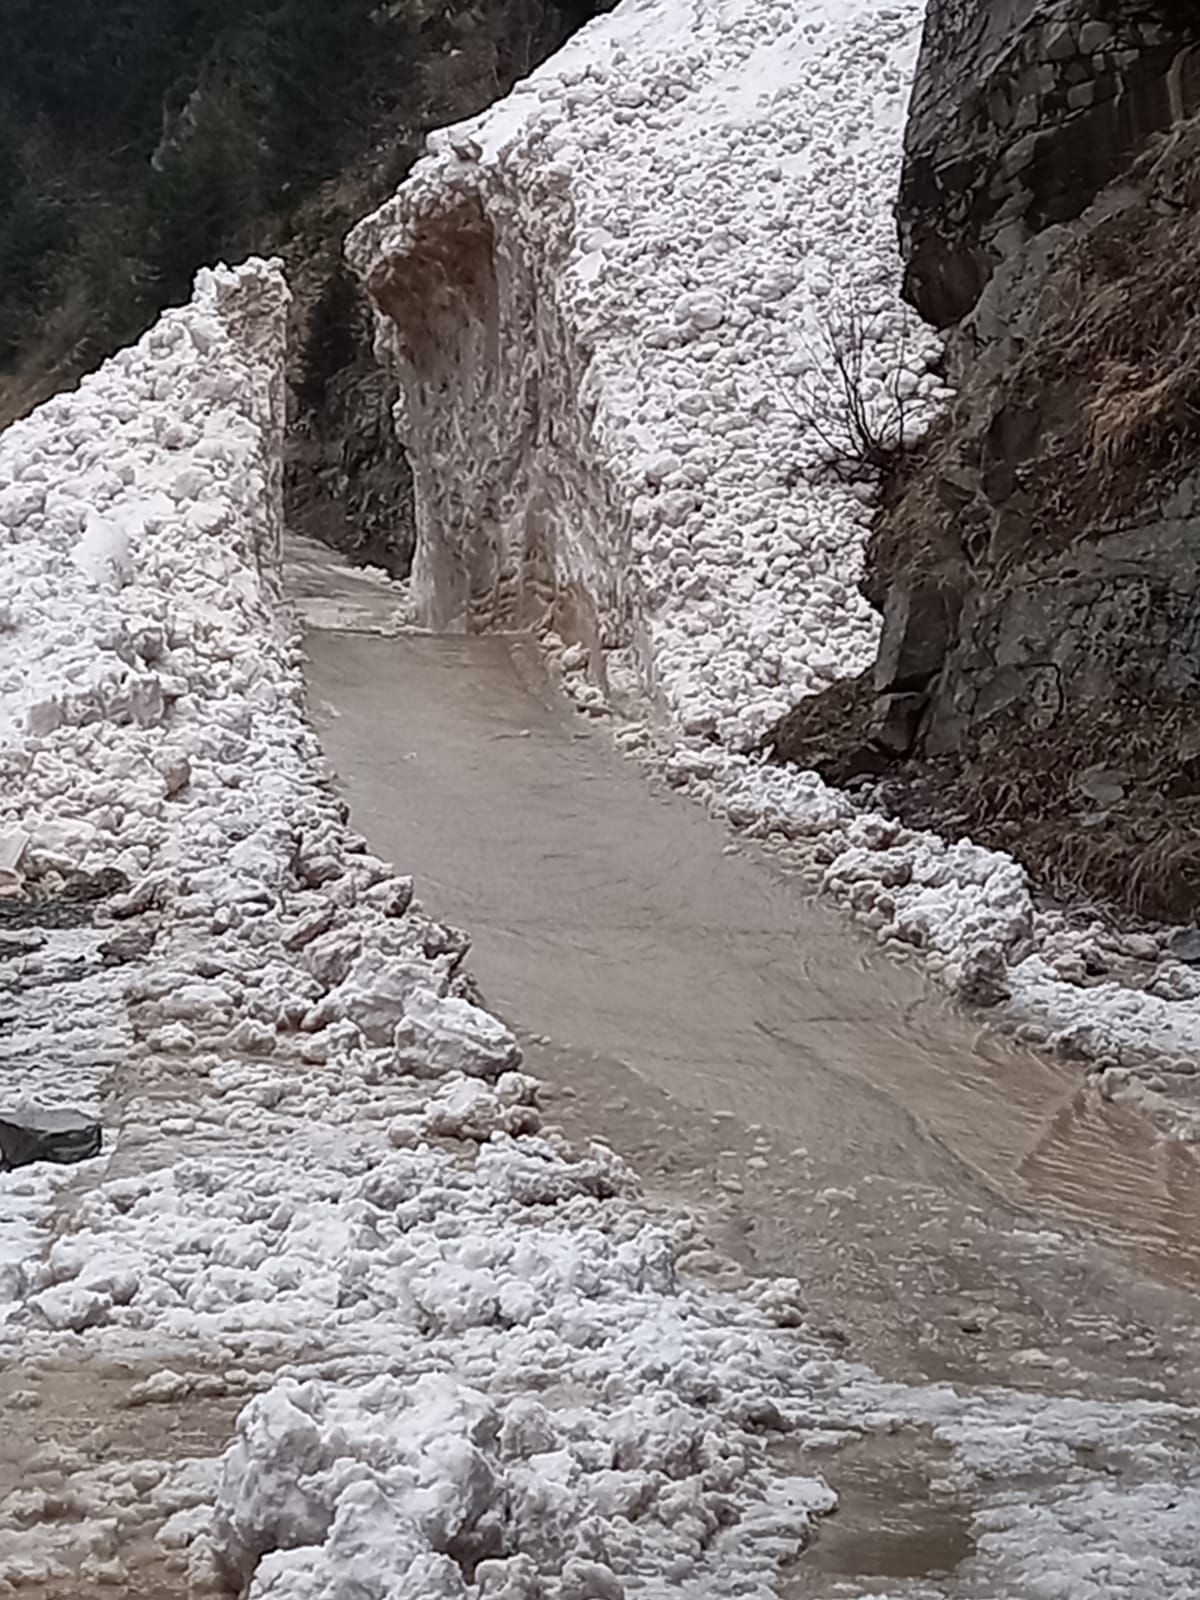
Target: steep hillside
[[1037, 562]]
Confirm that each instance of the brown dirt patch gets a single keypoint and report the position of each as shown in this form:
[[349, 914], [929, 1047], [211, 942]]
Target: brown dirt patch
[[80, 1463], [1104, 809]]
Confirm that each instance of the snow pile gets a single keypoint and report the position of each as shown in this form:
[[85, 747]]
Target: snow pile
[[608, 299]]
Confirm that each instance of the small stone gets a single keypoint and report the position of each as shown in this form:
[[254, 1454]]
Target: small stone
[[63, 1137], [1185, 946], [1094, 36], [1081, 96], [765, 1414], [1058, 42]]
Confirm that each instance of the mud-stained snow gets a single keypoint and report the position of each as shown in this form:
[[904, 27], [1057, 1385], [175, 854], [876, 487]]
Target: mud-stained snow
[[607, 299], [471, 1363], [472, 1367]]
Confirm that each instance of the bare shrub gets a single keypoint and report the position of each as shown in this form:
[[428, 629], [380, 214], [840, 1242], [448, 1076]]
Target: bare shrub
[[861, 424]]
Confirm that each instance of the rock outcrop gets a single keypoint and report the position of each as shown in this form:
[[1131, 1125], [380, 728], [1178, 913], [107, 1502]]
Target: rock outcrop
[[1037, 562], [1022, 112]]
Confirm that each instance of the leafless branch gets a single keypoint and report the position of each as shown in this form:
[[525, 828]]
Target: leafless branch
[[860, 426]]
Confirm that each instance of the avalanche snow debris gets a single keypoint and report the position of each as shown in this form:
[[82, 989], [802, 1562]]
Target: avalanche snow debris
[[497, 1385], [620, 282], [272, 1039]]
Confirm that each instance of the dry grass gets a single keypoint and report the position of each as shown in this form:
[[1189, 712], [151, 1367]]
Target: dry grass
[[1139, 853], [1113, 376]]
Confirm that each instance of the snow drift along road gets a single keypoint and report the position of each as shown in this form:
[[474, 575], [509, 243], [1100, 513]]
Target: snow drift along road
[[471, 1368], [604, 298]]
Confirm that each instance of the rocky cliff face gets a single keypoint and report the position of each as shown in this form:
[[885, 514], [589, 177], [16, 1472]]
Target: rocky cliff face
[[1038, 561], [1022, 112]]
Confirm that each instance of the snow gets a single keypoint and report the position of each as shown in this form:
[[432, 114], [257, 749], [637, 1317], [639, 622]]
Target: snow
[[648, 242], [327, 1164], [470, 1363], [724, 167]]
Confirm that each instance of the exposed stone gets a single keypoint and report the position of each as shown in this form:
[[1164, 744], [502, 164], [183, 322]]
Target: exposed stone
[[131, 944], [1094, 36], [1002, 131], [1038, 563], [897, 717], [918, 624], [62, 1137], [64, 903]]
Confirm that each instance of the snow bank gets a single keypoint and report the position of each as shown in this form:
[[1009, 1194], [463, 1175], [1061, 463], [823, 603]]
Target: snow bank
[[322, 1157], [471, 1366], [605, 299], [139, 520]]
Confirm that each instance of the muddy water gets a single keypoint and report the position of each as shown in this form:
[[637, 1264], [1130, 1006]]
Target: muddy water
[[937, 1191]]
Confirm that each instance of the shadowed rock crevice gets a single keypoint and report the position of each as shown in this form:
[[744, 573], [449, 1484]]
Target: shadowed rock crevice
[[348, 482]]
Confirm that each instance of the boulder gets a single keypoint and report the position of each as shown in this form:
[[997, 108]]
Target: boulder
[[37, 1134], [919, 623]]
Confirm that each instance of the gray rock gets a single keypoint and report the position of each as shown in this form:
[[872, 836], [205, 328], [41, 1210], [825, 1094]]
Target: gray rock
[[1185, 946], [990, 76], [62, 1137], [919, 622], [1094, 36], [894, 725]]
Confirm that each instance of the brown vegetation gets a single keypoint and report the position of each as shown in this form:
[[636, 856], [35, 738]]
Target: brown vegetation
[[1082, 425]]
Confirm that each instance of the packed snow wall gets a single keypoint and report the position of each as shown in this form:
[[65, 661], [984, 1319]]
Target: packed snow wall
[[496, 407], [609, 301], [140, 520]]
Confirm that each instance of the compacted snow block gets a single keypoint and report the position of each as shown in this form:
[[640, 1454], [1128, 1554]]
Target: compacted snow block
[[618, 283], [63, 1137]]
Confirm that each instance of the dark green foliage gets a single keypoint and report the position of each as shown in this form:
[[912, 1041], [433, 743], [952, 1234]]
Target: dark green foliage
[[141, 138]]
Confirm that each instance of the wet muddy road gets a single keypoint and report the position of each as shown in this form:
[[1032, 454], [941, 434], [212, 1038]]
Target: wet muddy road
[[955, 1207]]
